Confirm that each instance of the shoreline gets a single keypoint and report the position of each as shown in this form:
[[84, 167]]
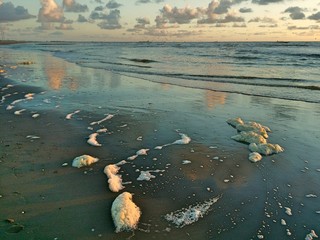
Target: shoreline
[[45, 197]]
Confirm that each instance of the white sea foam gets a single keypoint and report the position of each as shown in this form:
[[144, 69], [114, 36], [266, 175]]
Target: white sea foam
[[255, 157], [191, 214], [125, 213], [102, 130], [186, 162], [93, 140], [184, 140], [288, 211], [235, 121], [265, 148], [253, 126], [19, 112], [311, 235], [108, 117], [35, 115], [143, 151], [84, 160], [145, 176], [114, 179], [70, 115], [249, 137]]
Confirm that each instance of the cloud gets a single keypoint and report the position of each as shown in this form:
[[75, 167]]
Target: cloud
[[149, 1], [315, 16], [111, 20], [99, 8], [82, 19], [266, 2], [141, 25], [50, 12], [180, 15], [236, 25], [64, 26], [112, 4], [263, 20], [245, 10], [73, 6], [295, 13], [8, 12]]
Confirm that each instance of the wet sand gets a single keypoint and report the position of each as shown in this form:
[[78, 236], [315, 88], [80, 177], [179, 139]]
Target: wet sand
[[52, 201]]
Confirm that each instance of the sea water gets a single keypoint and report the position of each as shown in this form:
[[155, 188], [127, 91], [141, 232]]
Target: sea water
[[270, 69]]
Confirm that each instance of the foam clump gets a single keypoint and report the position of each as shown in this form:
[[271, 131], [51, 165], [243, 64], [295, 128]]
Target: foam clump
[[265, 148], [145, 176], [93, 140], [84, 160], [255, 157], [249, 137], [143, 151], [184, 139], [125, 213], [114, 180], [255, 127], [235, 121], [191, 214], [311, 235]]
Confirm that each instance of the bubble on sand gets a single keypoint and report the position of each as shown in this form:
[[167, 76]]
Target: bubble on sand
[[191, 214], [125, 213], [84, 160]]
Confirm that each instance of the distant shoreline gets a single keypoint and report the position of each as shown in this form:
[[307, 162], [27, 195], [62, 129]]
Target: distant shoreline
[[7, 42]]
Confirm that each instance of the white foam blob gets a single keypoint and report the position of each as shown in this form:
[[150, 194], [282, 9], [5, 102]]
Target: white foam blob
[[84, 160], [35, 115], [235, 121], [311, 235], [283, 222], [19, 112], [255, 157], [145, 176], [288, 211], [191, 214], [114, 179], [102, 130], [265, 148], [70, 115], [9, 107], [93, 140], [125, 213], [186, 162], [108, 117], [184, 140], [143, 151], [249, 137], [255, 127], [311, 196], [32, 137]]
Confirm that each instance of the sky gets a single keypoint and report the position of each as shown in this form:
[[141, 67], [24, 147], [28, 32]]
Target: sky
[[160, 20]]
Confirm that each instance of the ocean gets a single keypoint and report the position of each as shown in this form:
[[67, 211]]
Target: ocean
[[284, 70]]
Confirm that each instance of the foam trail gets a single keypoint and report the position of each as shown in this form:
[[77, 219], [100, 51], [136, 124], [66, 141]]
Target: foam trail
[[191, 214], [184, 140], [108, 117], [69, 116]]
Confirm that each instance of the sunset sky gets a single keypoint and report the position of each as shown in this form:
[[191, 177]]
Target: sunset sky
[[160, 20]]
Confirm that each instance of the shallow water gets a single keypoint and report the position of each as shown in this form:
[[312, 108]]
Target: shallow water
[[53, 201]]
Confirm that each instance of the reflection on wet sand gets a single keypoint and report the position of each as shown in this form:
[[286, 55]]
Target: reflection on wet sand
[[55, 71], [215, 98]]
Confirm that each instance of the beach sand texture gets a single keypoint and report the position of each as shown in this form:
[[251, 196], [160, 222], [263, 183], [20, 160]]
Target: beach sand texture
[[43, 197]]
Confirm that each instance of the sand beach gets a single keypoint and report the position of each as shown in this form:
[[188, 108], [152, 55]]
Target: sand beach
[[43, 197]]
